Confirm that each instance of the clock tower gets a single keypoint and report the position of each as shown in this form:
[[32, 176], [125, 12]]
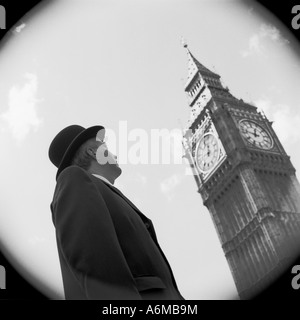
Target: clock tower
[[245, 179]]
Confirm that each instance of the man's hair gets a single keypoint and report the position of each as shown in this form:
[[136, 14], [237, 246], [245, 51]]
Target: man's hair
[[82, 158]]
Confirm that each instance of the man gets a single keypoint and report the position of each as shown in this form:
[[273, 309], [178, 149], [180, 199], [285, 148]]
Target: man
[[107, 248]]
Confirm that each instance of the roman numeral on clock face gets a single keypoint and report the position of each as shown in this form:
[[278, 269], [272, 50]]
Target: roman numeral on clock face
[[207, 152], [255, 134]]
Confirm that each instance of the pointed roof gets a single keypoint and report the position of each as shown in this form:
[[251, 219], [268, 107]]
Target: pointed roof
[[195, 66]]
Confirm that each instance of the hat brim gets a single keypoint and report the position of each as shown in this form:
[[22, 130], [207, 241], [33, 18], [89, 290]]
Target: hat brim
[[75, 144]]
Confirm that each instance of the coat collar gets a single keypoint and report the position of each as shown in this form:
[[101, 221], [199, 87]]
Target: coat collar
[[116, 190], [102, 178]]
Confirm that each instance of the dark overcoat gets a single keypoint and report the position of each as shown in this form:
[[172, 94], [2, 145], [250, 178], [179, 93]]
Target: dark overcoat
[[107, 247]]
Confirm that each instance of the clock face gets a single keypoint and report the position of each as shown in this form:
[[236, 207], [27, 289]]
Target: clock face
[[207, 152], [256, 135]]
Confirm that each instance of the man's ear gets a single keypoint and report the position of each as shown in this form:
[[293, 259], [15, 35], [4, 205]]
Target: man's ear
[[90, 151]]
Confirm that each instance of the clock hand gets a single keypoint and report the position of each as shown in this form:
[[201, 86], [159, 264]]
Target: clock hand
[[208, 151]]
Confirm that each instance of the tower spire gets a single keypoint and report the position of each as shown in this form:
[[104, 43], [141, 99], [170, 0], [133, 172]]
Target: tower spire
[[195, 66], [202, 86]]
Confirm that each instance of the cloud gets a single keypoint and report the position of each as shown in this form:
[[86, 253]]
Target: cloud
[[19, 28], [137, 179], [257, 42], [21, 115], [286, 121], [141, 178], [168, 185]]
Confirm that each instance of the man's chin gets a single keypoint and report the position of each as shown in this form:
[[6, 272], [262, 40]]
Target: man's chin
[[118, 169]]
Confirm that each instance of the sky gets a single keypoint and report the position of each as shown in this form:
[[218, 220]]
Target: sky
[[121, 64]]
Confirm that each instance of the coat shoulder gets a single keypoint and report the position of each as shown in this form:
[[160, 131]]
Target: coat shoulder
[[72, 179], [73, 173]]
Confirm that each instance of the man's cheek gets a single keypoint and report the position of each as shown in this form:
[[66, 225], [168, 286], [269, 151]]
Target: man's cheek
[[102, 156]]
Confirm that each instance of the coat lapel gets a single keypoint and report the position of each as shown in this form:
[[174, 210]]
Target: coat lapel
[[116, 190], [148, 223]]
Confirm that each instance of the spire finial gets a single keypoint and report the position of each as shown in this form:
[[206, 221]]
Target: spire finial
[[183, 42]]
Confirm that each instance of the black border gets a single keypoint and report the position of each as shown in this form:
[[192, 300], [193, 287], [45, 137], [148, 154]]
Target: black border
[[19, 289]]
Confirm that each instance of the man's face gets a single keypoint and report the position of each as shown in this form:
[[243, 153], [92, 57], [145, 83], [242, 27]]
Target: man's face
[[105, 157]]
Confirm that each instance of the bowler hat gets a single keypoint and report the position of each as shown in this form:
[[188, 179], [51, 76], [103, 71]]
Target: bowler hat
[[67, 141]]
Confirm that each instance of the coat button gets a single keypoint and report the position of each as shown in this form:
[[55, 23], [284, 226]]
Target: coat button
[[147, 224]]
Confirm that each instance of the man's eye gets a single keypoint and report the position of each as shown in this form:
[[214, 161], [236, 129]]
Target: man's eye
[[105, 153]]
